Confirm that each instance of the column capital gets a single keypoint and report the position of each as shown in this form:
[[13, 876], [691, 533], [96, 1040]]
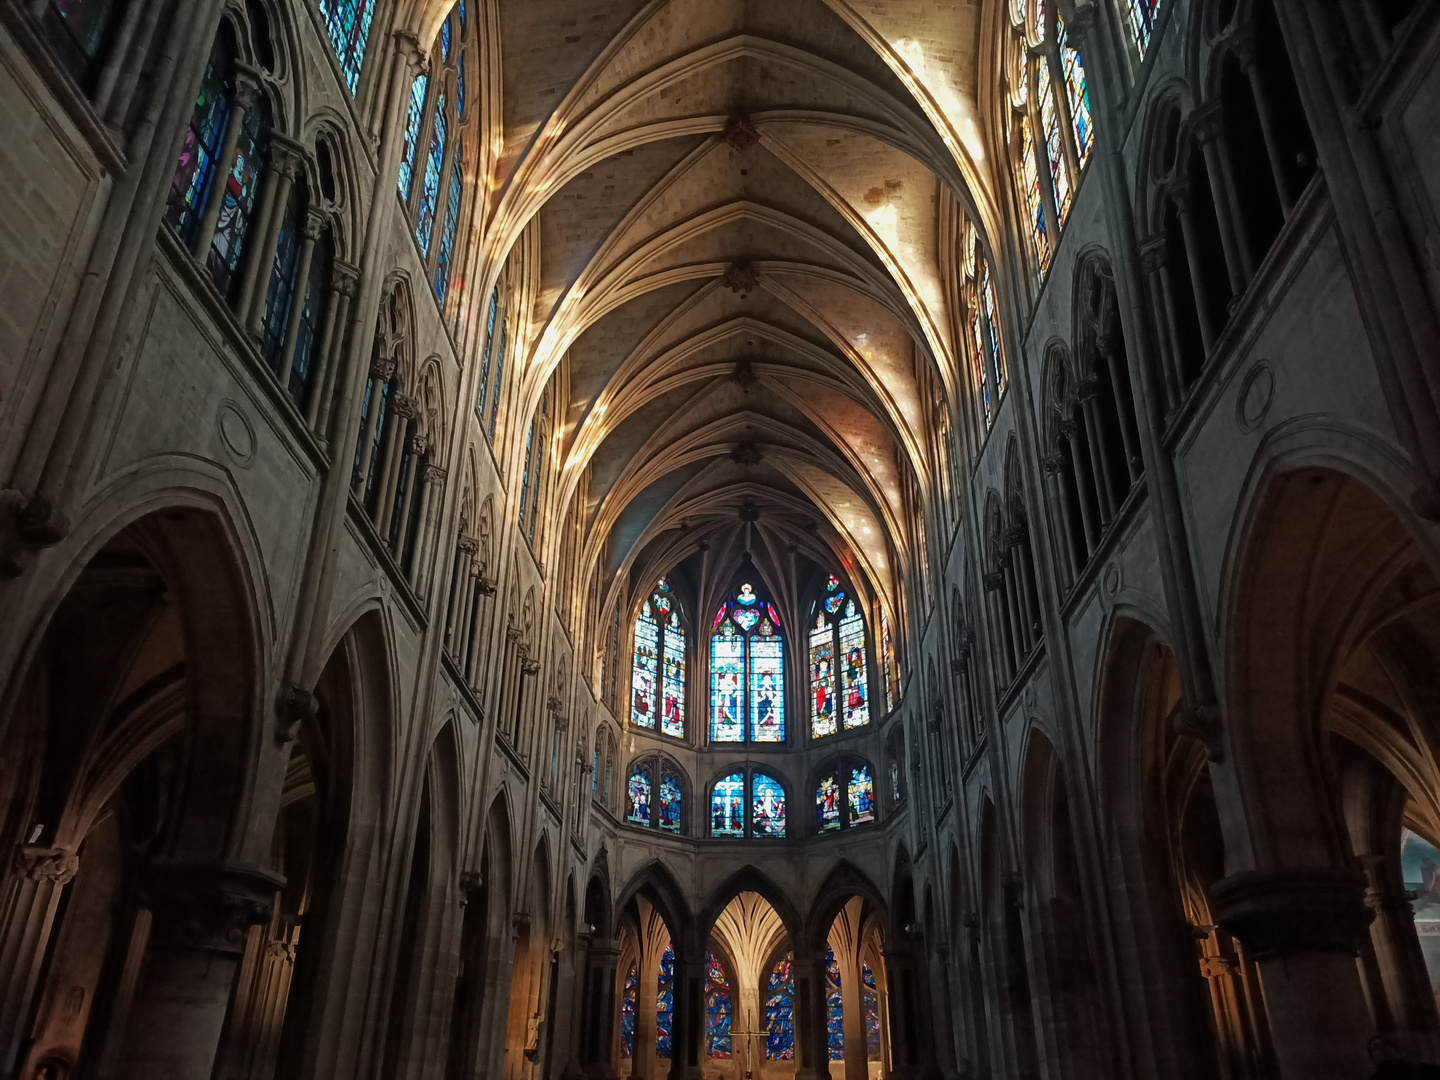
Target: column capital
[[293, 706], [345, 277], [468, 544], [1087, 388], [1054, 464], [287, 156], [1152, 253], [315, 223], [419, 445], [35, 862], [381, 368], [994, 581], [1294, 910], [435, 474], [208, 906], [248, 85], [405, 406], [1082, 20], [1207, 121], [1015, 535], [1068, 430], [1179, 192], [407, 46]]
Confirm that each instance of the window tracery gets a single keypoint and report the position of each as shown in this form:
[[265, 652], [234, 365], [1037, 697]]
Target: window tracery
[[747, 802], [747, 671], [839, 664], [844, 796], [655, 795], [657, 685]]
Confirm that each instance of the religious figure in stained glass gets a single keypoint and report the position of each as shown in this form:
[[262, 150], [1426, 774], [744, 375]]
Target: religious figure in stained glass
[[670, 801], [827, 804], [780, 1012], [747, 671], [861, 795], [665, 1002], [822, 677], [199, 154], [657, 685], [717, 1009], [870, 1006], [627, 1012], [767, 805], [727, 806], [834, 1008], [839, 631], [637, 796]]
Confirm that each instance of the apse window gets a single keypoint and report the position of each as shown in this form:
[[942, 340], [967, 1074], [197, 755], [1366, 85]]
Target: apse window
[[747, 803], [655, 796], [1420, 861], [845, 796], [839, 669], [747, 671], [657, 684]]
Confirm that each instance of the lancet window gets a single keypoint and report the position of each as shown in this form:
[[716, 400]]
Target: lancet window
[[747, 671], [657, 682], [347, 22], [844, 796], [985, 342], [532, 479], [747, 803], [719, 1009], [655, 795], [834, 1008], [1142, 15], [839, 664], [780, 1011], [79, 32], [492, 359], [665, 1002], [628, 1000]]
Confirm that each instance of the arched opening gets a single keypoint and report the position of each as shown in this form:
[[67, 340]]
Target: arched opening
[[531, 978]]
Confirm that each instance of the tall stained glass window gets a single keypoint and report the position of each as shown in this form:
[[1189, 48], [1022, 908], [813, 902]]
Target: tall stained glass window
[[484, 387], [1030, 185], [655, 795], [1143, 14], [452, 226], [718, 1009], [414, 117], [834, 1008], [845, 796], [195, 172], [780, 1011], [79, 32], [665, 1002], [430, 189], [727, 806], [1054, 148], [747, 671], [839, 666], [237, 204], [1077, 93], [347, 22], [870, 1006], [637, 796], [627, 1012], [657, 685], [751, 792]]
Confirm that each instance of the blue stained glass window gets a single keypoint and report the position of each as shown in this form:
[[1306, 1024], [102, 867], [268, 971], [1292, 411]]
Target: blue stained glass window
[[430, 189], [637, 797], [195, 172], [861, 794], [672, 721], [1054, 149], [348, 24], [839, 669], [767, 689], [460, 7], [657, 686], [455, 194], [525, 476], [670, 802], [870, 1006], [445, 41], [1143, 14], [827, 804], [312, 316], [460, 84], [747, 665], [727, 806], [280, 296], [1077, 93], [780, 1012], [834, 1008], [727, 685], [485, 356], [665, 1002], [413, 117], [647, 659], [495, 414], [627, 1012], [717, 1009], [237, 207], [822, 678], [767, 806]]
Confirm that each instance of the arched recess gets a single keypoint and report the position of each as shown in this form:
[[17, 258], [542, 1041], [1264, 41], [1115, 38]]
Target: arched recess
[[1003, 937], [132, 740], [531, 978], [1332, 619], [1058, 917], [654, 916], [479, 1016]]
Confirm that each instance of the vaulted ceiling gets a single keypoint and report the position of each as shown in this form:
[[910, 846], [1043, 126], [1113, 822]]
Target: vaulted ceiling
[[734, 209]]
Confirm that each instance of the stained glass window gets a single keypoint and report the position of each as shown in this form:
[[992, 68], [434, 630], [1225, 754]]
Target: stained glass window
[[1077, 93], [348, 24], [1030, 183], [627, 1012], [78, 31], [485, 356], [195, 172], [413, 117], [280, 295], [1143, 14], [767, 805], [834, 1008], [838, 689], [717, 1009], [637, 796], [993, 352], [657, 685], [861, 794], [312, 317], [827, 804], [1054, 148], [495, 406], [870, 1006], [456, 192], [780, 1012], [671, 799], [727, 806], [525, 475], [665, 1002], [430, 189], [747, 671]]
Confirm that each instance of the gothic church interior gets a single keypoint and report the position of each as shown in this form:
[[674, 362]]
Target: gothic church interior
[[557, 539]]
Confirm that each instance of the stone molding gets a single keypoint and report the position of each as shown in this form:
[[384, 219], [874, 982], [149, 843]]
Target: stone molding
[[34, 862], [1294, 910], [208, 906]]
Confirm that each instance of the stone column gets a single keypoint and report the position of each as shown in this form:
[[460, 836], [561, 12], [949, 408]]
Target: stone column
[[432, 477], [380, 371], [812, 1055], [1242, 44], [1180, 192], [1087, 392], [314, 229], [1019, 632], [994, 583], [460, 596], [853, 1016], [247, 90], [1303, 927], [1211, 133], [202, 916], [1085, 492], [285, 164], [1019, 540], [27, 912], [1401, 964], [1107, 347], [1162, 294], [120, 57], [598, 1017], [344, 277], [687, 1029], [393, 442], [410, 475], [910, 1047], [1054, 466]]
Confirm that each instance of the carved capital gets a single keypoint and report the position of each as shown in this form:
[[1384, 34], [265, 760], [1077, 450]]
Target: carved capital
[[293, 707], [248, 85], [287, 156], [1216, 967], [315, 223], [407, 45], [512, 635], [994, 581], [958, 667], [1087, 388], [519, 923], [1202, 722], [1015, 535], [1152, 253], [345, 277], [381, 368], [529, 666], [1294, 910], [1068, 430], [471, 881], [419, 445], [1082, 20], [208, 907], [486, 586], [740, 133], [434, 474], [553, 704], [1208, 122], [55, 865], [468, 544], [405, 406], [1053, 465], [1179, 192]]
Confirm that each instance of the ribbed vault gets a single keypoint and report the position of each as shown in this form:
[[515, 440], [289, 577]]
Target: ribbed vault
[[731, 212]]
